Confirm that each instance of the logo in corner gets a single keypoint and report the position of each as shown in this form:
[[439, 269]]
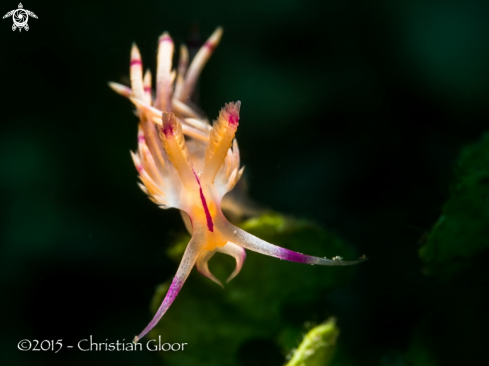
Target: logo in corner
[[20, 17]]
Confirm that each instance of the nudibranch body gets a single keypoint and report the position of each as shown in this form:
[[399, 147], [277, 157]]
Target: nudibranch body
[[185, 163]]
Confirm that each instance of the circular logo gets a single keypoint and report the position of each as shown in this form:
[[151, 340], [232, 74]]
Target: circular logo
[[20, 17]]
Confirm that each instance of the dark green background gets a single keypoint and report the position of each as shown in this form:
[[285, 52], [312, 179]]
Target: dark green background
[[353, 114]]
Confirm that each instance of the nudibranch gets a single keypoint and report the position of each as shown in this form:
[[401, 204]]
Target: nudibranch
[[185, 163]]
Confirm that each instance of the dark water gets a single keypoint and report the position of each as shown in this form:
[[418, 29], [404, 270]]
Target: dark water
[[352, 116]]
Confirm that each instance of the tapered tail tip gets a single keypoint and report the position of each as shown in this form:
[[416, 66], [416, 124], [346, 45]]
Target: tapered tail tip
[[135, 340]]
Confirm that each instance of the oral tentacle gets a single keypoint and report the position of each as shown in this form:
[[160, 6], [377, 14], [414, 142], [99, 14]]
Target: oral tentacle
[[203, 265], [251, 242], [189, 258], [238, 253]]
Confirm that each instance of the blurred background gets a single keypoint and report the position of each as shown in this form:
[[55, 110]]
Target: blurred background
[[353, 115]]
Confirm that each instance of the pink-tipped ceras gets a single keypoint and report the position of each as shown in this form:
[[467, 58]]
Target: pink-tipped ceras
[[185, 163]]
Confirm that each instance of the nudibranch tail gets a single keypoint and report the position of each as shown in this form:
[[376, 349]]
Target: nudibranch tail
[[251, 242], [189, 258]]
